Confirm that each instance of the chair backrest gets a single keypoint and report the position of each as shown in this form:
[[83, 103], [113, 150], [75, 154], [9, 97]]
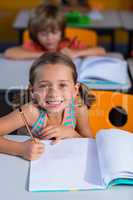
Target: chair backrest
[[26, 36], [111, 110], [88, 37]]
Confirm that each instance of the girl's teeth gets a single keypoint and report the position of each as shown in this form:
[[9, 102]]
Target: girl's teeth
[[53, 102]]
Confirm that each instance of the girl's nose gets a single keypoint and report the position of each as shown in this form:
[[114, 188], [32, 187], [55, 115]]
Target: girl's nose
[[53, 92]]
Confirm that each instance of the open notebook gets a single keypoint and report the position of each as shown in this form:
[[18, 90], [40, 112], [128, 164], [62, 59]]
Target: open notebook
[[103, 72], [82, 164]]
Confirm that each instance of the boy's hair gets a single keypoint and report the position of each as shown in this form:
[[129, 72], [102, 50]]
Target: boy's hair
[[45, 18], [58, 58]]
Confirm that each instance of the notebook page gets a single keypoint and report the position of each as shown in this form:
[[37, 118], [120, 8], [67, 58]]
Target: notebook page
[[70, 164], [115, 149], [103, 68]]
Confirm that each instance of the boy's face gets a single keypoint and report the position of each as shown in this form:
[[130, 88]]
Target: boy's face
[[54, 87], [49, 39]]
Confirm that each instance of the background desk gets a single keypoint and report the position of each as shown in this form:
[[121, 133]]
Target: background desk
[[14, 173], [127, 24], [13, 78], [107, 25], [130, 66], [130, 62]]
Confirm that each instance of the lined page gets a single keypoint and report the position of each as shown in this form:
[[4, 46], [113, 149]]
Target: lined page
[[115, 149], [68, 165]]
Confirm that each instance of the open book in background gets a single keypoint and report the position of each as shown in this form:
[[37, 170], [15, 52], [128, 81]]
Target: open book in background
[[83, 164], [103, 72]]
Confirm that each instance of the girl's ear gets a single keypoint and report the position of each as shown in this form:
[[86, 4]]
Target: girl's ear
[[77, 85], [30, 89], [32, 94]]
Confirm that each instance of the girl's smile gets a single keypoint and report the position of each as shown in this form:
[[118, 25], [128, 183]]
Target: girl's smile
[[53, 103], [54, 87]]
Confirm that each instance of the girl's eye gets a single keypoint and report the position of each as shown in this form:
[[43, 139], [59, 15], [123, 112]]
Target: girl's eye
[[43, 86], [63, 85]]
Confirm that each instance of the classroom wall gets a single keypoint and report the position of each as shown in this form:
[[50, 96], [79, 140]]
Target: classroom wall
[[8, 11], [112, 4], [10, 8]]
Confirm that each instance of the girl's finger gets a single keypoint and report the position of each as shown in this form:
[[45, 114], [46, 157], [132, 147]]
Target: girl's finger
[[35, 140], [52, 135], [49, 132], [40, 151], [43, 131], [40, 147]]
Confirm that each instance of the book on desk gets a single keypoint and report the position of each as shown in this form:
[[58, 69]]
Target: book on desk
[[83, 164], [103, 72]]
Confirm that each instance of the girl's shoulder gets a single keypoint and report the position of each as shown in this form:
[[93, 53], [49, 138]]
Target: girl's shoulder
[[31, 112]]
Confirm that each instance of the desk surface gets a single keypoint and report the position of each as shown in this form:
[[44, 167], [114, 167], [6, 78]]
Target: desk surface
[[127, 20], [14, 173], [110, 20], [14, 73]]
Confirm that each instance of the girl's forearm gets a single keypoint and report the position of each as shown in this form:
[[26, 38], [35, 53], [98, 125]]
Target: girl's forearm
[[10, 147], [21, 53], [96, 51]]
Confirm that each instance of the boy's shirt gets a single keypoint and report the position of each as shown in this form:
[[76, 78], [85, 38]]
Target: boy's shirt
[[65, 43]]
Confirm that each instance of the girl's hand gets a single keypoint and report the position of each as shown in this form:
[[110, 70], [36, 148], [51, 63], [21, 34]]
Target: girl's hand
[[57, 133], [32, 150]]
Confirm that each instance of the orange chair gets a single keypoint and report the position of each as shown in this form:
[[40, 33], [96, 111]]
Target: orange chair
[[86, 36], [26, 36], [96, 5], [111, 110]]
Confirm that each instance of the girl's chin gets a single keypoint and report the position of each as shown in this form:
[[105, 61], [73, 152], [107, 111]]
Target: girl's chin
[[54, 110]]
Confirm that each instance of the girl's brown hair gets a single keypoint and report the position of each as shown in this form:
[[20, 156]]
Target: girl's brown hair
[[45, 18], [85, 95]]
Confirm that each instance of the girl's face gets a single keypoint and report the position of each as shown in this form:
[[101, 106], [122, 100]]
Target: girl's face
[[49, 40], [54, 87]]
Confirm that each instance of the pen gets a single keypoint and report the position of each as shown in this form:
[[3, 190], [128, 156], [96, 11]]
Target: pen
[[26, 123]]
